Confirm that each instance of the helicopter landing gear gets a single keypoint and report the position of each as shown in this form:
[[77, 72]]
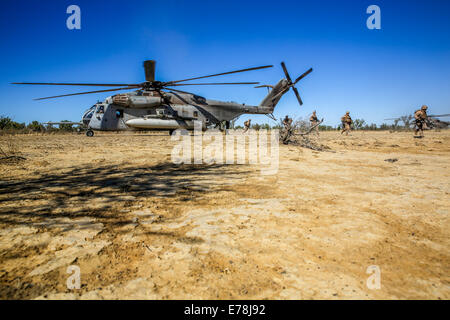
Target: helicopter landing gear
[[90, 133]]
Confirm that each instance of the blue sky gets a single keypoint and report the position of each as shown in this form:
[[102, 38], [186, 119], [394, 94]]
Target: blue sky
[[375, 74]]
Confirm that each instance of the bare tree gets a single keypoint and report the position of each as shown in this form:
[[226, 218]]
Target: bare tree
[[358, 124], [406, 121]]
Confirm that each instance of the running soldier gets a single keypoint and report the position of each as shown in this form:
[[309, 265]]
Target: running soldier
[[247, 125], [421, 117], [313, 121], [346, 123]]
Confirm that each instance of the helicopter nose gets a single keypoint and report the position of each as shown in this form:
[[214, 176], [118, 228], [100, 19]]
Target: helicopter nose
[[96, 122]]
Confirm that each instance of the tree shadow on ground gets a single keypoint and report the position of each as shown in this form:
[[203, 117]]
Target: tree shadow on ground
[[97, 191]]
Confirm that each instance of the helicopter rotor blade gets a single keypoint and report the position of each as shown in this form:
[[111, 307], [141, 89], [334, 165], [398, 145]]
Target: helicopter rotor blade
[[297, 95], [180, 91], [209, 84], [88, 92], [81, 84], [150, 67], [439, 115], [286, 73], [218, 74], [149, 84], [303, 75]]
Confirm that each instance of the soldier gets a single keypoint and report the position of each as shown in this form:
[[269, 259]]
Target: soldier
[[247, 125], [287, 122], [346, 123], [287, 132], [313, 121], [421, 117]]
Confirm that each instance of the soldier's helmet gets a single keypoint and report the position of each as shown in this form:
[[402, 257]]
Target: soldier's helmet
[[424, 107], [348, 112], [314, 112]]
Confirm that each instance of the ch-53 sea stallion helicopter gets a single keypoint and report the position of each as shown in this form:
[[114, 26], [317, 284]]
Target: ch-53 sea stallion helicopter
[[156, 105], [433, 121]]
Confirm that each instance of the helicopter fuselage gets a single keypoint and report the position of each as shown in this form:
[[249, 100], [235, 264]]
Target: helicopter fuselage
[[152, 110]]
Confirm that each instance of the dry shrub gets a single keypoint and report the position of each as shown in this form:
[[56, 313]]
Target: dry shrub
[[9, 151]]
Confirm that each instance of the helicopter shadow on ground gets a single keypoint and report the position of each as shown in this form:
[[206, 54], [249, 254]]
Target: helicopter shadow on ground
[[99, 192]]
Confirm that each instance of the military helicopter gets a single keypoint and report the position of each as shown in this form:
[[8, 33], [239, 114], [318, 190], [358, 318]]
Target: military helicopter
[[433, 121], [157, 105]]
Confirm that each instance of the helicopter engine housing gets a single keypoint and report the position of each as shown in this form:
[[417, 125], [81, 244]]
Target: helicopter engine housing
[[138, 102]]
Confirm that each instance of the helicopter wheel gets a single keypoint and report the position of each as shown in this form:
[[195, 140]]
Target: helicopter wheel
[[90, 133]]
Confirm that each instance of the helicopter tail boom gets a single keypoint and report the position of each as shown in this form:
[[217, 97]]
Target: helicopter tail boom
[[283, 86], [274, 95]]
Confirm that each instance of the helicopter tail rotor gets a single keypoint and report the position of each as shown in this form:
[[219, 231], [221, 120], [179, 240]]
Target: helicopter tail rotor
[[291, 84]]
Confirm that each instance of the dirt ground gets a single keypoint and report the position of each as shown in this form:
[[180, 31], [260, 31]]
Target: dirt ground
[[140, 227]]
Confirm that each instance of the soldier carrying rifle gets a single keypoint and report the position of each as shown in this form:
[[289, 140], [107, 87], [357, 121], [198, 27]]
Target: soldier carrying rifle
[[346, 123], [421, 118]]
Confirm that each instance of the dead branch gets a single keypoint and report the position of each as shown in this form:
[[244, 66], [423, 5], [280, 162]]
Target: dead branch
[[289, 135], [310, 129]]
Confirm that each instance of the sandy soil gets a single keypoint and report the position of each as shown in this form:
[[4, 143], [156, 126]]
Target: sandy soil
[[139, 226]]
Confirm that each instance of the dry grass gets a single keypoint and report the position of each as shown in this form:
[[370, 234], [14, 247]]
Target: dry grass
[[9, 153]]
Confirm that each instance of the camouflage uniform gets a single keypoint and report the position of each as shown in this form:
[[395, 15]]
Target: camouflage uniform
[[287, 122], [421, 116], [313, 121], [346, 123], [287, 131], [247, 125]]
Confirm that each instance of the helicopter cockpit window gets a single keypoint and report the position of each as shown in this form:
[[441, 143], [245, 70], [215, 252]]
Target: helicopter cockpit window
[[199, 99], [100, 109], [89, 113]]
